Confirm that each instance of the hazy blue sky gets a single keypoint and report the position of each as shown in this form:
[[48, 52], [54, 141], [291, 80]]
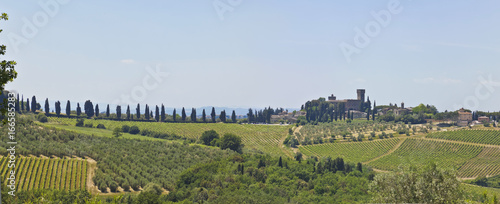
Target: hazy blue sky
[[256, 53]]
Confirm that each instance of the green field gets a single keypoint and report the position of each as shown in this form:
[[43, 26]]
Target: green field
[[476, 193], [419, 152], [487, 163], [260, 137], [44, 173], [490, 137], [351, 151]]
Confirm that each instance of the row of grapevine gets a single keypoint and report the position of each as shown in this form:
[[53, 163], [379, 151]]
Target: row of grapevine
[[420, 151], [487, 163], [45, 173], [352, 151], [490, 137]]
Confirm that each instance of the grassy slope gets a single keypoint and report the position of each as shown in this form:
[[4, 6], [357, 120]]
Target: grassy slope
[[260, 137]]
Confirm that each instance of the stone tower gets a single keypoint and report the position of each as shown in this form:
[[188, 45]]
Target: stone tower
[[361, 95], [403, 105]]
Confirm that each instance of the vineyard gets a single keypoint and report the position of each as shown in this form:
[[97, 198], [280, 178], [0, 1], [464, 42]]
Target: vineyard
[[45, 173], [352, 151], [419, 152], [126, 163], [261, 137], [487, 163], [490, 137]]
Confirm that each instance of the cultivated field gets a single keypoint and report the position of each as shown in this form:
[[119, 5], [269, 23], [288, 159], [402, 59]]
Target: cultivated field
[[47, 173], [260, 137], [419, 152], [351, 151], [487, 163], [490, 137]]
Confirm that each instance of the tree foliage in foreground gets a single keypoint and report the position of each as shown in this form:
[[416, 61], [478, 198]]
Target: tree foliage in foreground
[[257, 178], [430, 184], [7, 73]]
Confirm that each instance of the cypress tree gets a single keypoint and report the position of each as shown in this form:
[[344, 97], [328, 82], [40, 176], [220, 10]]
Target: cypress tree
[[17, 104], [193, 115], [368, 110], [89, 108], [374, 110], [213, 114], [107, 111], [233, 117], [47, 106], [174, 115], [280, 163], [58, 108], [204, 116], [28, 104], [22, 102], [151, 114], [183, 115], [138, 111], [78, 109], [336, 112], [250, 115], [146, 112], [224, 115], [119, 112], [34, 107], [157, 114], [68, 108], [96, 110], [128, 112], [163, 113]]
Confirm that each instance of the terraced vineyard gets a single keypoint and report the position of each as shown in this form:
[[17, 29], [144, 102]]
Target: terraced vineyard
[[490, 137], [261, 137], [419, 152], [351, 151], [41, 173], [487, 163]]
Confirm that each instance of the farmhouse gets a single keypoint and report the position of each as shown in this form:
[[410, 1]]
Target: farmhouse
[[464, 117], [483, 119]]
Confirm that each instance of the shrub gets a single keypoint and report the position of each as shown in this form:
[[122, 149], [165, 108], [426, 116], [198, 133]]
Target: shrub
[[208, 136], [134, 130], [103, 188], [154, 188], [79, 122], [125, 128], [89, 125], [101, 126], [42, 118], [117, 132], [113, 186], [231, 141]]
